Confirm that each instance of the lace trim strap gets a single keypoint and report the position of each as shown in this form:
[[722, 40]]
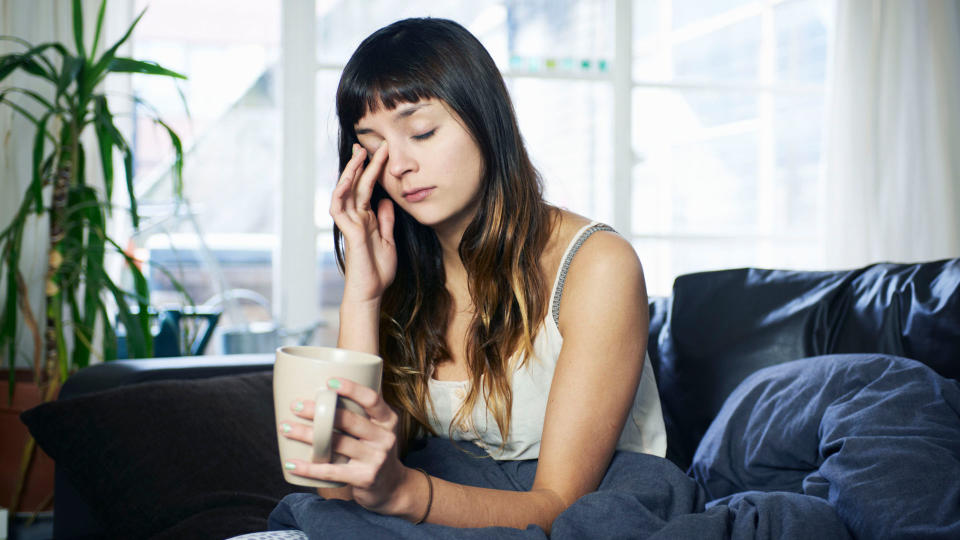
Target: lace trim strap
[[565, 265]]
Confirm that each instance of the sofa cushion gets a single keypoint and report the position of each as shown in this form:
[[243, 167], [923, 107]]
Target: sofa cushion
[[725, 325], [147, 457]]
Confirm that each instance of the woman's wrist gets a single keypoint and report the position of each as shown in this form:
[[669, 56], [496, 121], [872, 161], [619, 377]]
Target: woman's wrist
[[411, 497], [359, 325], [360, 305]]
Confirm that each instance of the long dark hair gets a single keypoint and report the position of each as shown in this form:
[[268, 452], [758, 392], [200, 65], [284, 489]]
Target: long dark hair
[[405, 62]]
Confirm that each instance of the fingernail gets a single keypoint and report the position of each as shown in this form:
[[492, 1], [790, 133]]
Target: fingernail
[[298, 406], [355, 149], [333, 384], [286, 427], [289, 466]]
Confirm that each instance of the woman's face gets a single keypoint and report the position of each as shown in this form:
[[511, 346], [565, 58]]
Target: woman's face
[[434, 166]]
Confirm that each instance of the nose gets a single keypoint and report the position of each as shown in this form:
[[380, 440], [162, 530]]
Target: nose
[[400, 160]]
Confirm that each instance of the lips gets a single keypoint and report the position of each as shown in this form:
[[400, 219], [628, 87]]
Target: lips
[[417, 195]]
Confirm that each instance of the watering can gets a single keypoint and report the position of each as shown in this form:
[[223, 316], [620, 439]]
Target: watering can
[[167, 335]]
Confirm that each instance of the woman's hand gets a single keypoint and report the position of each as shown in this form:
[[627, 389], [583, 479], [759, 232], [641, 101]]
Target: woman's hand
[[370, 255], [374, 472]]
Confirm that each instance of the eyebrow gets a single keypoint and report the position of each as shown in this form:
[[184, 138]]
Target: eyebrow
[[401, 114]]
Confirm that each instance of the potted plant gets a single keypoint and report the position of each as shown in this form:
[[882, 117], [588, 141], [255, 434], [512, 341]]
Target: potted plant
[[77, 285]]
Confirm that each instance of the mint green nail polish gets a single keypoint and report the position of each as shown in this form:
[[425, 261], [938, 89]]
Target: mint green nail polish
[[286, 428], [333, 383], [289, 466], [298, 406]]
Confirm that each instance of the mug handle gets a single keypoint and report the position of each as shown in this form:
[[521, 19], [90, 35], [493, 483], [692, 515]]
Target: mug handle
[[324, 413]]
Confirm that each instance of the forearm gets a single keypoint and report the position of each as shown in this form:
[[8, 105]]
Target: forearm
[[457, 505], [360, 326]]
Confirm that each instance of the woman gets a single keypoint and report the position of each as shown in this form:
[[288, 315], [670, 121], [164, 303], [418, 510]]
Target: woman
[[455, 268]]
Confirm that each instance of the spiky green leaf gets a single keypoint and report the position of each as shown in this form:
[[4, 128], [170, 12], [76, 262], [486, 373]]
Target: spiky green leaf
[[100, 68], [109, 335], [78, 28], [80, 355], [33, 95], [68, 74], [94, 253], [177, 161], [31, 59], [136, 341], [96, 34], [102, 120], [8, 322], [36, 184], [129, 65]]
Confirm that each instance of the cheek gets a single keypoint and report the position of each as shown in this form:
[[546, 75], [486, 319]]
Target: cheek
[[393, 190], [461, 160]]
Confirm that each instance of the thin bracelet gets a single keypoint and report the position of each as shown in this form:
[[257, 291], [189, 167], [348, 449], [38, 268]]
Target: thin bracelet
[[429, 497]]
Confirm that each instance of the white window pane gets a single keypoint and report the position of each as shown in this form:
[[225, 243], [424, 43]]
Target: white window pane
[[711, 188], [664, 259], [685, 12], [327, 162], [327, 159], [566, 34], [343, 24], [731, 53], [231, 145], [566, 127], [222, 53], [797, 136], [662, 116], [801, 29], [697, 174]]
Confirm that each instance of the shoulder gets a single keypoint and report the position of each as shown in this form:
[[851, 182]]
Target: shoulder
[[605, 263], [604, 252], [604, 272]]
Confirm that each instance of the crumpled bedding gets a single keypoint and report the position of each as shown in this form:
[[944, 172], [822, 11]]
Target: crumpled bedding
[[861, 446], [876, 436]]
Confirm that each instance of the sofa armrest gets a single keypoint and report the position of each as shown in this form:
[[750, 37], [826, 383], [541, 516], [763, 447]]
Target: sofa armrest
[[118, 373]]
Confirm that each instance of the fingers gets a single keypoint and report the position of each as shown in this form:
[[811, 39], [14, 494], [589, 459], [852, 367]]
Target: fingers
[[386, 218], [353, 473], [376, 430], [350, 203], [367, 398], [364, 187], [343, 193], [344, 445]]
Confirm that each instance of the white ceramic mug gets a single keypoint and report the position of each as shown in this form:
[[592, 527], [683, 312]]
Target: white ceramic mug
[[302, 373]]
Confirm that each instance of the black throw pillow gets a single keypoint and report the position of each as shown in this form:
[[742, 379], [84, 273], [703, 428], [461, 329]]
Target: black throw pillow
[[152, 457]]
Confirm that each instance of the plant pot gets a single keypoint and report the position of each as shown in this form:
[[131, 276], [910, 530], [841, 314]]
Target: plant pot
[[37, 494]]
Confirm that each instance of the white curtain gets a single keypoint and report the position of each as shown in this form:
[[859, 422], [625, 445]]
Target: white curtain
[[892, 141]]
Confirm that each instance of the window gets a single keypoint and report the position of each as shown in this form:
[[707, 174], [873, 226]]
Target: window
[[725, 100], [227, 115], [727, 108]]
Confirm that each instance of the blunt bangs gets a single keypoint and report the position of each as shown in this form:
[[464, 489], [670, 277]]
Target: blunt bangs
[[357, 97], [388, 69]]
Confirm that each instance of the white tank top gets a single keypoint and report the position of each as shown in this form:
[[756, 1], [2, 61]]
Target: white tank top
[[644, 431]]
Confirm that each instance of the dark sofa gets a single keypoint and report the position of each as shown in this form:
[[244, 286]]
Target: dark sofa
[[186, 448]]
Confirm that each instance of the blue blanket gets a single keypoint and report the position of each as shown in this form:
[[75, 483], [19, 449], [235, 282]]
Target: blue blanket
[[876, 436], [866, 446]]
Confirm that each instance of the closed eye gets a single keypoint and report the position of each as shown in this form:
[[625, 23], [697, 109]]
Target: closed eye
[[424, 136]]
